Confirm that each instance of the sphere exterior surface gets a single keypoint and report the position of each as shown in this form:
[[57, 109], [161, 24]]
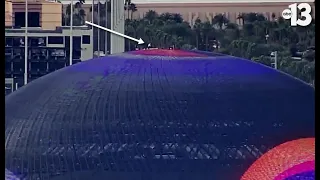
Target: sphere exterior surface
[[293, 160], [144, 115]]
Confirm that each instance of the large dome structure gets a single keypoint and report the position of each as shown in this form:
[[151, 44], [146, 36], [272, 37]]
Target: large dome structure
[[153, 115]]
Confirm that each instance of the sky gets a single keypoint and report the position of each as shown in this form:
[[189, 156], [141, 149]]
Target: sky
[[196, 1]]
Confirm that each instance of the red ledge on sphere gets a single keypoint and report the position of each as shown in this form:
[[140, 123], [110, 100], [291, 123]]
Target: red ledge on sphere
[[167, 52]]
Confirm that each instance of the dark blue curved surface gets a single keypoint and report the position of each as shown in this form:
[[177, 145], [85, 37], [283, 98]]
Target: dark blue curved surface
[[150, 117]]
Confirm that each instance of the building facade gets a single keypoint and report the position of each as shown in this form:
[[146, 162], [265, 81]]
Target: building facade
[[48, 50], [205, 10], [48, 41], [8, 13], [191, 11], [42, 13]]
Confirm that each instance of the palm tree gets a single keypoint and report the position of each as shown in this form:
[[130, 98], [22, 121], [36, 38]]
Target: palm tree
[[251, 17], [166, 17], [206, 32], [160, 36], [220, 20], [177, 18], [130, 7], [133, 8], [151, 16], [102, 12], [127, 4], [78, 14], [197, 30], [242, 17], [100, 18], [273, 16]]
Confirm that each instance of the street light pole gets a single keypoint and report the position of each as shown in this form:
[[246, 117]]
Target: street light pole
[[92, 11], [276, 60], [92, 20], [98, 29], [26, 44], [71, 33], [274, 57], [106, 33]]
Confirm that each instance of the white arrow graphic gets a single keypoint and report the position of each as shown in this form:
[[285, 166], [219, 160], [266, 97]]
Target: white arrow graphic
[[139, 41]]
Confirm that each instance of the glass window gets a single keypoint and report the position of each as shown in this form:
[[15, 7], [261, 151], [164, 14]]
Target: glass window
[[18, 41], [55, 40], [85, 39], [37, 41], [9, 41]]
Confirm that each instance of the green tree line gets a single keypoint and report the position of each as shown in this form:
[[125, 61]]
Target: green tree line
[[256, 39]]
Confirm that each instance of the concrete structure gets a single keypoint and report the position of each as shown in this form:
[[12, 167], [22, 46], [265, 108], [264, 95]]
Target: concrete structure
[[49, 12], [117, 24], [206, 10]]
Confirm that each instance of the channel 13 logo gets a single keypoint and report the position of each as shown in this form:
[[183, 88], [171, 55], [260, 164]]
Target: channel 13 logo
[[292, 14]]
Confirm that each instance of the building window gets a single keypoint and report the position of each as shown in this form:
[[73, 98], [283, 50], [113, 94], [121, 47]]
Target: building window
[[55, 40], [33, 19], [37, 41], [18, 41], [19, 19], [9, 41], [67, 41], [85, 39]]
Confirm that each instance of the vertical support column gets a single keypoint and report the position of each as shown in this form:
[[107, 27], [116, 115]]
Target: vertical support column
[[117, 24], [98, 28], [71, 34], [106, 33], [92, 29], [112, 27], [26, 45]]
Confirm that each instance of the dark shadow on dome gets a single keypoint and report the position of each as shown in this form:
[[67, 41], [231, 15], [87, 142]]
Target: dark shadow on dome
[[154, 118]]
